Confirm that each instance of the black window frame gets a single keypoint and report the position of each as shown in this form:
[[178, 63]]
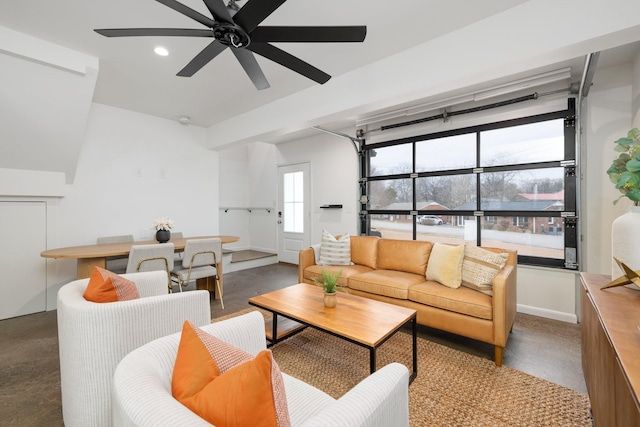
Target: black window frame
[[569, 215]]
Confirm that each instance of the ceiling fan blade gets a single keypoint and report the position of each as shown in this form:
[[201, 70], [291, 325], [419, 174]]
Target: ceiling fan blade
[[207, 54], [291, 62], [309, 34], [187, 11], [218, 10], [169, 32], [251, 67], [254, 12]]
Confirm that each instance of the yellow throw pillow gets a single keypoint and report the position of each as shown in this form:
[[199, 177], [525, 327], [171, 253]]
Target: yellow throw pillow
[[445, 265], [106, 286], [227, 386]]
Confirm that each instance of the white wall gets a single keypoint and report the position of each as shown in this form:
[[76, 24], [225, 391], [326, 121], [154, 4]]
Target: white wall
[[334, 180], [134, 168], [247, 196], [607, 118]]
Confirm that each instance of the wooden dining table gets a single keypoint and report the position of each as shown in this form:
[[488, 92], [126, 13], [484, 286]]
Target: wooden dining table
[[90, 256]]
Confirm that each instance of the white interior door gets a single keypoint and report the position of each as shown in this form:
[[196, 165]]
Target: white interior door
[[294, 211], [23, 236]]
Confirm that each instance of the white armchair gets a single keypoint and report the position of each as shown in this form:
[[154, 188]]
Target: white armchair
[[142, 387], [94, 337]]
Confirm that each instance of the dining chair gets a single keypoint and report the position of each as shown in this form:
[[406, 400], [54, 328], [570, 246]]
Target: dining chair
[[177, 257], [152, 257], [117, 264], [199, 261]]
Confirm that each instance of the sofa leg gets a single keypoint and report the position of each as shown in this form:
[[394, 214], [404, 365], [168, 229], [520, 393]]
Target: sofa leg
[[498, 355]]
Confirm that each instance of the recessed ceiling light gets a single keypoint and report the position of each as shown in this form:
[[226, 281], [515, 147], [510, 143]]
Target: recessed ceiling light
[[161, 51]]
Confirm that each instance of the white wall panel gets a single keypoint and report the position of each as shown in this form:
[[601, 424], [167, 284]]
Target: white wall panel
[[23, 236]]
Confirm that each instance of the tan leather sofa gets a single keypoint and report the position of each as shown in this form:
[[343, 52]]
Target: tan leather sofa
[[393, 271]]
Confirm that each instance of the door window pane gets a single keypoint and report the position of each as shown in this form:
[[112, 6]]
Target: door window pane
[[523, 190], [453, 152], [391, 160], [393, 226], [530, 236], [449, 192], [535, 142], [453, 229], [391, 194], [293, 202]]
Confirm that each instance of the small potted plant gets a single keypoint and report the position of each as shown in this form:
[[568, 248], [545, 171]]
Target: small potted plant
[[162, 227], [329, 283]]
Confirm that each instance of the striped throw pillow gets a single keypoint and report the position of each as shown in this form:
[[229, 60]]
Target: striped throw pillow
[[480, 267], [335, 251]]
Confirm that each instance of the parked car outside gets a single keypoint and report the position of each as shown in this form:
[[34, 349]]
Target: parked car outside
[[431, 220]]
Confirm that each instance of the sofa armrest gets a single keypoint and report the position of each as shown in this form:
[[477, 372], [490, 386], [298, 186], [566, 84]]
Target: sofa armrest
[[381, 399], [306, 258], [505, 299]]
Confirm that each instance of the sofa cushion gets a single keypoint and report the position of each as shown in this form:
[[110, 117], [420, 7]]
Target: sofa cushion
[[219, 382], [106, 286], [403, 255], [390, 283], [462, 300], [445, 264], [364, 250], [335, 251], [315, 271], [480, 267]]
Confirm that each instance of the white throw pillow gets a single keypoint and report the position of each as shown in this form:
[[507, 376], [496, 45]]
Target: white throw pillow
[[335, 251], [480, 267]]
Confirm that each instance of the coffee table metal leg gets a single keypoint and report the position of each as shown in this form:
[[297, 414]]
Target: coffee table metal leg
[[414, 327], [372, 359], [274, 329]]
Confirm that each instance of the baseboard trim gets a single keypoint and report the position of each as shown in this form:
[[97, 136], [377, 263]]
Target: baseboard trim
[[548, 314]]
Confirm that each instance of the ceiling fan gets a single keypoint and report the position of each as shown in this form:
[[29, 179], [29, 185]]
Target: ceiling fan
[[238, 29]]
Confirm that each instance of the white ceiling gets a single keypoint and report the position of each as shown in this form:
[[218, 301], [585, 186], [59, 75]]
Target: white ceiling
[[132, 77]]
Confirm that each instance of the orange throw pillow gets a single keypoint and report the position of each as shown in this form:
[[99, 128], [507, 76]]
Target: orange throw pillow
[[106, 286], [227, 386]]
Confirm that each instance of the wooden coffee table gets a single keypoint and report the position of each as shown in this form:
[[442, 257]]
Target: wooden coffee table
[[362, 321]]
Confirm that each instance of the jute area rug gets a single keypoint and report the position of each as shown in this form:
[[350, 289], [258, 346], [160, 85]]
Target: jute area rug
[[453, 388]]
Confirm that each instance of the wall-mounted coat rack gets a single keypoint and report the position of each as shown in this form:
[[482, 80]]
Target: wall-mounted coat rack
[[247, 209]]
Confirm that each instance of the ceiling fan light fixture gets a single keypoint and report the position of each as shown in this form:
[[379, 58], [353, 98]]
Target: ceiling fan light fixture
[[159, 50]]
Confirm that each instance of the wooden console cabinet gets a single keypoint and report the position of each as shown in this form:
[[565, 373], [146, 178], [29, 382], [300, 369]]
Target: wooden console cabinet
[[611, 351]]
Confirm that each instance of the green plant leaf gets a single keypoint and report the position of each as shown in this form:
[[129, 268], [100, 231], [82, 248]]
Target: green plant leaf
[[623, 142], [633, 166], [634, 134], [634, 195]]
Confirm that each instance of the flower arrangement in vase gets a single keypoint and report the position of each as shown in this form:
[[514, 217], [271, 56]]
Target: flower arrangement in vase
[[162, 227]]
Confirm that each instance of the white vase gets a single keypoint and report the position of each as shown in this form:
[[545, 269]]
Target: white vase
[[625, 241]]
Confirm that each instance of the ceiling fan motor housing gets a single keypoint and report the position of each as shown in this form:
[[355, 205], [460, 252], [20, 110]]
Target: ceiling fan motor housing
[[231, 35]]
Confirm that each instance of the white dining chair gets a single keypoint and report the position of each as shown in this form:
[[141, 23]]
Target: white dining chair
[[117, 264], [157, 256], [199, 261]]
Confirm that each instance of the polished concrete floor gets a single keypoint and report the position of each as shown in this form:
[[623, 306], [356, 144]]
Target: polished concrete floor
[[29, 364]]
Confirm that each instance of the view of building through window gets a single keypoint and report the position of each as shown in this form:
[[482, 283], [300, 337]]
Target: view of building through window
[[502, 187]]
